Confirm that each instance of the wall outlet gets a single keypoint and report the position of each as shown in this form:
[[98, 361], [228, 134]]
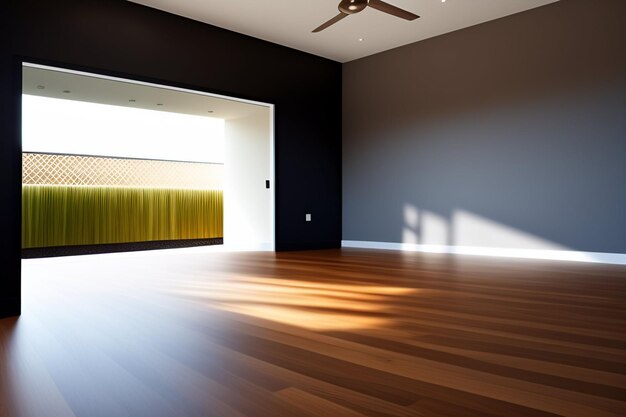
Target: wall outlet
[[308, 217]]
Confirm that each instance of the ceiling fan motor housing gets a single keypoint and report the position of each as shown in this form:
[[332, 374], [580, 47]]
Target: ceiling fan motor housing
[[349, 7], [352, 6]]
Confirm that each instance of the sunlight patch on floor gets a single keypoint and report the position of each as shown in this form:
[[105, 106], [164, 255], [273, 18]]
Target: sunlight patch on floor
[[312, 305]]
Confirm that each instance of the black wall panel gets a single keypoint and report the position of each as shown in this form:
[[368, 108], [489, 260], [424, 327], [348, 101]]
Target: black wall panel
[[119, 38]]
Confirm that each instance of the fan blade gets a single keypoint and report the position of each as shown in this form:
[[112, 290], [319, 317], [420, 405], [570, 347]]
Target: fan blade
[[330, 22], [392, 10]]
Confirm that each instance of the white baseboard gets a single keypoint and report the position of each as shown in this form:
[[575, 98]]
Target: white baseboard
[[553, 255]]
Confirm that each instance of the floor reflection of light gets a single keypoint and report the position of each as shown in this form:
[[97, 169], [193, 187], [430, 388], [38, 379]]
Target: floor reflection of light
[[307, 304], [308, 319]]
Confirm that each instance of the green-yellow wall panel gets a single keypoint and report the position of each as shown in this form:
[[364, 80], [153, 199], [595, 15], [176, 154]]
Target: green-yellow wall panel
[[71, 215]]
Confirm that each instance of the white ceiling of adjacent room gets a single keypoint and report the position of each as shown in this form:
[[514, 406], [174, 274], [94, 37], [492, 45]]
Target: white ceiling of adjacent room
[[370, 31], [48, 82]]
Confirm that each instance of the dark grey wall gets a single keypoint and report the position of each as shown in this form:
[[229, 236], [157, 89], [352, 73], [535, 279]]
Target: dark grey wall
[[520, 122], [120, 38]]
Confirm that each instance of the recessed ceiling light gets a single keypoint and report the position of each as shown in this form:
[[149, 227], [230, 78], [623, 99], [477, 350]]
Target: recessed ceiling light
[[361, 39], [40, 87]]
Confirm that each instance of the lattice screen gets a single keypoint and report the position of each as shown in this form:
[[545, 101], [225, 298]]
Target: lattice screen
[[50, 169]]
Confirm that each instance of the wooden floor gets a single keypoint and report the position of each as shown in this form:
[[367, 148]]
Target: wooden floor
[[323, 333]]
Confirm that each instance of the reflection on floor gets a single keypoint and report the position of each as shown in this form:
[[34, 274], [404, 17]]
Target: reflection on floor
[[322, 333]]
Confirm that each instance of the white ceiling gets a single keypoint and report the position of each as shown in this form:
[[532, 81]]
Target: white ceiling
[[48, 82], [290, 22]]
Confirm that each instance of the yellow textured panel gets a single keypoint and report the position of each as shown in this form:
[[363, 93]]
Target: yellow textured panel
[[84, 215]]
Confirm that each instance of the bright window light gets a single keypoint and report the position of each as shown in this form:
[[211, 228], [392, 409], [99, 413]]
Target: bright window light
[[53, 125]]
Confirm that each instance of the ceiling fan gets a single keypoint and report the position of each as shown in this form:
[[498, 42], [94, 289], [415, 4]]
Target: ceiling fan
[[348, 7]]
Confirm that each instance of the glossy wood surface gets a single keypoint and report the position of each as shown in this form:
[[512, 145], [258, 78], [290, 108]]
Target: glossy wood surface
[[324, 333]]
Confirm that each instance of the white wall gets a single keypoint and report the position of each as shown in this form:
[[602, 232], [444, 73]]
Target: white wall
[[247, 164]]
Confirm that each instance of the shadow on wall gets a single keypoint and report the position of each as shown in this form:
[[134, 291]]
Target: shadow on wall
[[464, 232], [463, 228]]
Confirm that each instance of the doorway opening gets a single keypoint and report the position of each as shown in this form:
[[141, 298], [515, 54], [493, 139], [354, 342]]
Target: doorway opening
[[113, 165]]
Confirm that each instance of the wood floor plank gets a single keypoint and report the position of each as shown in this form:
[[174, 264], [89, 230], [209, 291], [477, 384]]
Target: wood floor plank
[[375, 364], [19, 388], [315, 406], [336, 332]]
